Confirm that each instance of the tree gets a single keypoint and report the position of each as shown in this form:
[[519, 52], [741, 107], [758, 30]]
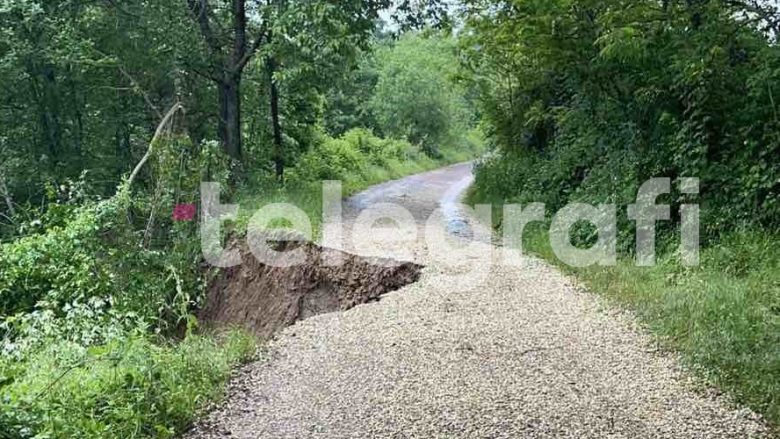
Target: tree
[[416, 96], [317, 33], [586, 99], [230, 51]]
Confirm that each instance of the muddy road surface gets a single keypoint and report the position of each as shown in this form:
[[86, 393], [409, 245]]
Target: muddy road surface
[[477, 348]]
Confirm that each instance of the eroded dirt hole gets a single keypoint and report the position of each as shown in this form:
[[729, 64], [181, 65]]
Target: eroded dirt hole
[[264, 299]]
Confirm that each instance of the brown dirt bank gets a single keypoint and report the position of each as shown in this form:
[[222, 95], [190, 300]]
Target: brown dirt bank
[[264, 299]]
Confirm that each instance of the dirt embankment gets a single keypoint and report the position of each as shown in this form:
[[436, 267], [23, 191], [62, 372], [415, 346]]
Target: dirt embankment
[[264, 299]]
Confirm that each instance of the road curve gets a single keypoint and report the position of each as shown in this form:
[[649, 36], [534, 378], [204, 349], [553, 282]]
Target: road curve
[[475, 349]]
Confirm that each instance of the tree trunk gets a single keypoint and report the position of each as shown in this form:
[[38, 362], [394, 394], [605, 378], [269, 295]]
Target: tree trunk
[[278, 153], [227, 70], [122, 147], [230, 115], [7, 197], [49, 116], [77, 100]]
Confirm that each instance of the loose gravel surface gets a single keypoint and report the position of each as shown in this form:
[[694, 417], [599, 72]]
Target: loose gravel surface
[[473, 350]]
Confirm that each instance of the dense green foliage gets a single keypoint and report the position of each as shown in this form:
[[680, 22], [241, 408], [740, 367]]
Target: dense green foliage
[[412, 101], [98, 285], [351, 155], [87, 267], [585, 100], [87, 81]]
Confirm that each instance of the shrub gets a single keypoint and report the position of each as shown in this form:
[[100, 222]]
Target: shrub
[[351, 156], [330, 160]]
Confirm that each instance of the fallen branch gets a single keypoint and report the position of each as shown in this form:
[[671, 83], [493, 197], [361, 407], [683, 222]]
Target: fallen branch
[[158, 133]]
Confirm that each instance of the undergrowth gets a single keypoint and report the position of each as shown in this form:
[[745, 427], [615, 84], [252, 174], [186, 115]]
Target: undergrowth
[[94, 299], [131, 387]]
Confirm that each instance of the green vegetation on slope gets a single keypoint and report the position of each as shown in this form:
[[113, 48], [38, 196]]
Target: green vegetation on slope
[[131, 387]]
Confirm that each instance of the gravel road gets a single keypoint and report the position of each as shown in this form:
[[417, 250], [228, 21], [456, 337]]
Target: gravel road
[[472, 350]]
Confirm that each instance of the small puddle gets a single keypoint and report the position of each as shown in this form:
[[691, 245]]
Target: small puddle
[[456, 221]]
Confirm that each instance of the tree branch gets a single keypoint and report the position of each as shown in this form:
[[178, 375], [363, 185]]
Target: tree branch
[[769, 14], [253, 48], [137, 88], [200, 11], [158, 133]]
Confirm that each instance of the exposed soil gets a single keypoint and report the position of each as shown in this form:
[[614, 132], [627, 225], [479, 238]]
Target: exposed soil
[[264, 299]]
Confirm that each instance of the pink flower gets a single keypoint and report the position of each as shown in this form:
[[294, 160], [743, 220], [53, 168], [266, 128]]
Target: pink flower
[[184, 212]]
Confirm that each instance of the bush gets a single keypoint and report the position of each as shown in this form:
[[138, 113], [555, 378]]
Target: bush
[[60, 265], [331, 160], [91, 274], [417, 96], [379, 151], [351, 156]]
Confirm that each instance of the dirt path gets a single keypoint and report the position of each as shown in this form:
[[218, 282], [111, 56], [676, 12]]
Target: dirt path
[[487, 352]]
